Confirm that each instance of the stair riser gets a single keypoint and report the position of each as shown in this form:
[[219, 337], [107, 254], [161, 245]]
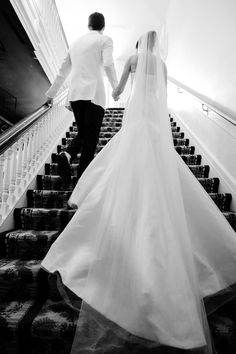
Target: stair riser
[[42, 219], [55, 183], [19, 280], [211, 185], [200, 171], [223, 201], [192, 159], [48, 199]]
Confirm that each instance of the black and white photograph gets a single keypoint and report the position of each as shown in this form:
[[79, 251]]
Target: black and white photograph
[[117, 177]]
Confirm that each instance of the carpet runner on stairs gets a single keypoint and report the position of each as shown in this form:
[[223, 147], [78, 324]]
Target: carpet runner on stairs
[[34, 319]]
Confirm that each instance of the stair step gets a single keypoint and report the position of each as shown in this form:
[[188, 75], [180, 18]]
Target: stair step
[[104, 129], [54, 158], [71, 133], [18, 279], [107, 135], [103, 141], [61, 148], [52, 169], [175, 129], [223, 332], [185, 150], [200, 171], [192, 159], [178, 135], [42, 219], [27, 244], [231, 217], [66, 141], [211, 185], [222, 200], [181, 142], [11, 314], [49, 182], [47, 198], [53, 328], [114, 119], [111, 123], [110, 129]]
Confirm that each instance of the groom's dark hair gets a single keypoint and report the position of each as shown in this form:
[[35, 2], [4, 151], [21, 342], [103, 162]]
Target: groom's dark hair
[[96, 21]]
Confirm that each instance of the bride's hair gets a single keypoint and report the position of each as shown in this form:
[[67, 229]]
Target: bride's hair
[[152, 37], [151, 40]]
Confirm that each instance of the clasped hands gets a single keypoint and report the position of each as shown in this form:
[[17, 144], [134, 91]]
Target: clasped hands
[[116, 94]]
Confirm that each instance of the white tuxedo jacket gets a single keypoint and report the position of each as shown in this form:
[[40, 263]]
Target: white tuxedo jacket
[[86, 60]]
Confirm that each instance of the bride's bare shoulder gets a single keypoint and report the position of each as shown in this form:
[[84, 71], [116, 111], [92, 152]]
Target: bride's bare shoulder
[[133, 59]]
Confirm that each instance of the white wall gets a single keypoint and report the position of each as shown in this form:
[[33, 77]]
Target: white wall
[[202, 51], [125, 20]]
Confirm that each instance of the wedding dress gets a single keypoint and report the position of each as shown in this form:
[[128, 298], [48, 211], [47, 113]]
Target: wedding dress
[[147, 243]]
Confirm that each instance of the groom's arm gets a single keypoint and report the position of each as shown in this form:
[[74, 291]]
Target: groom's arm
[[60, 78], [108, 62]]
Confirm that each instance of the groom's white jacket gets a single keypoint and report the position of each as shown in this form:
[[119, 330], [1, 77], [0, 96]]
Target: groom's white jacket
[[85, 61]]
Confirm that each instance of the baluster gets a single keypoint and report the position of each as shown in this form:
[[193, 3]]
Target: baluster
[[20, 162], [2, 174], [42, 134], [6, 182], [34, 148], [38, 144], [30, 154], [50, 124], [47, 127], [12, 187], [53, 128], [25, 159], [19, 169]]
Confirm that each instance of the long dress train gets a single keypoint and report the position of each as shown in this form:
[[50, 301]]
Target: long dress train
[[147, 243]]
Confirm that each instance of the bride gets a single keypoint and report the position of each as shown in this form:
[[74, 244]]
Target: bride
[[147, 244]]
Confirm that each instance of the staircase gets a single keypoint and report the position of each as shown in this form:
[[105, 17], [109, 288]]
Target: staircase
[[33, 316]]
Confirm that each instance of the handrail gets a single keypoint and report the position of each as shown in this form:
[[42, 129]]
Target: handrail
[[13, 133], [206, 106]]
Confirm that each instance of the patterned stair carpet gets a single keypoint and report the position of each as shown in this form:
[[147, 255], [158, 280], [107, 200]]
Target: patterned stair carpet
[[34, 319]]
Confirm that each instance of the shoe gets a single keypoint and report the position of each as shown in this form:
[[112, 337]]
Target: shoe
[[64, 169]]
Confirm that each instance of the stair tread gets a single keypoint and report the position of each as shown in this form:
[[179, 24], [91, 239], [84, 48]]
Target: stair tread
[[28, 244], [18, 278], [50, 190], [55, 311], [42, 218]]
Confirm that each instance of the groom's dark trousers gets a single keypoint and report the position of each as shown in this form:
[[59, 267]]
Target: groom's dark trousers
[[88, 117]]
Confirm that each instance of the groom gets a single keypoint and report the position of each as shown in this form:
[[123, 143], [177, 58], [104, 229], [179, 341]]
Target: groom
[[85, 61]]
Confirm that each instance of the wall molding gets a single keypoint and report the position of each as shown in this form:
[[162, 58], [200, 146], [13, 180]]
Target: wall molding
[[42, 24]]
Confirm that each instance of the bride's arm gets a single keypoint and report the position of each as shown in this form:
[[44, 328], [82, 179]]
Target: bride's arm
[[123, 80]]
